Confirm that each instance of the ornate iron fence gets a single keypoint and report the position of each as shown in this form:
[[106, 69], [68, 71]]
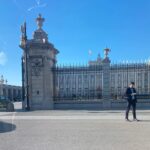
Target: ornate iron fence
[[77, 82], [123, 74], [86, 82]]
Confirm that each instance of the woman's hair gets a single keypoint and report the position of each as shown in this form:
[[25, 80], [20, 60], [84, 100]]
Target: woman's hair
[[132, 83]]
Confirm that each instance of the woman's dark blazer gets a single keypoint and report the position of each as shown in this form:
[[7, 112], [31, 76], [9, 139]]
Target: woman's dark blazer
[[128, 94]]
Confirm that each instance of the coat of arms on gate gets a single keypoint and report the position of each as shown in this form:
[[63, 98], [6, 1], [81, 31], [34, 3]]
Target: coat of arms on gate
[[36, 71], [36, 64]]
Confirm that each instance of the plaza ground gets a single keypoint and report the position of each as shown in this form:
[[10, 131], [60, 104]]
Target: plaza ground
[[73, 130]]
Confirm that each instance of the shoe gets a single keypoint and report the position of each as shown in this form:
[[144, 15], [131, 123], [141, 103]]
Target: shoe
[[127, 119], [136, 119]]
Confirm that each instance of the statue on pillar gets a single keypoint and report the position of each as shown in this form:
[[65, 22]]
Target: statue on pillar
[[106, 58], [106, 52], [40, 21], [40, 35]]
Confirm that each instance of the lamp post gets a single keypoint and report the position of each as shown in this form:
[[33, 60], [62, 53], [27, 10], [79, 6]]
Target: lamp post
[[27, 84], [25, 59], [23, 91]]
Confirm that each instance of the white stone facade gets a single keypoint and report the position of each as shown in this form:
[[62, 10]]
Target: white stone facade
[[12, 92]]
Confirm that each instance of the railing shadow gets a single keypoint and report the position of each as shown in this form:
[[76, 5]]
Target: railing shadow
[[144, 120], [6, 127]]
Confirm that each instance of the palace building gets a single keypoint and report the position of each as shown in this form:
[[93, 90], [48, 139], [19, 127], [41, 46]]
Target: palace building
[[45, 82], [87, 81]]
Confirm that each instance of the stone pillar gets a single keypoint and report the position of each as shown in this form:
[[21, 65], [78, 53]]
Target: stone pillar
[[1, 89], [41, 59], [106, 81], [1, 84]]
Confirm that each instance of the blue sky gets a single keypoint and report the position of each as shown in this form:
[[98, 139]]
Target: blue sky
[[75, 27]]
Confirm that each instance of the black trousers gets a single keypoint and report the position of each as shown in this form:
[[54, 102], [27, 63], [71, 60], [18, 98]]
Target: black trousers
[[129, 104]]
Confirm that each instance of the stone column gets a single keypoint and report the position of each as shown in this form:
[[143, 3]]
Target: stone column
[[106, 80], [41, 60], [1, 84], [1, 89]]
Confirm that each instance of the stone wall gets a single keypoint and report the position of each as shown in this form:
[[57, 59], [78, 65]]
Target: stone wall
[[99, 105]]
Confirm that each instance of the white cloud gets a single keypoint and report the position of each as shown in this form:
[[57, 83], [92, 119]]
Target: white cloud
[[37, 5], [3, 58]]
